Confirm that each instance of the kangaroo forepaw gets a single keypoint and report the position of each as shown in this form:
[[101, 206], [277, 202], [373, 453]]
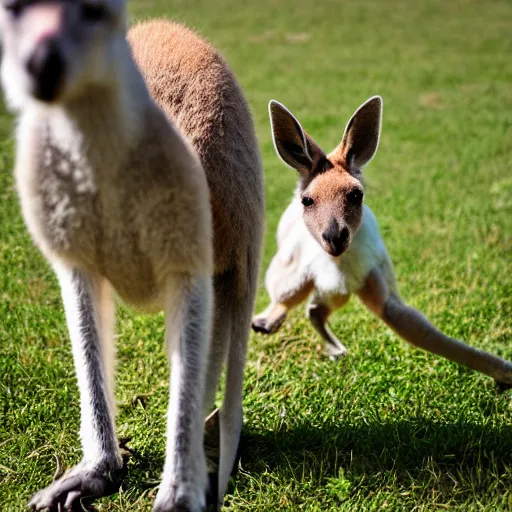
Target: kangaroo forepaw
[[259, 324], [81, 482], [264, 326]]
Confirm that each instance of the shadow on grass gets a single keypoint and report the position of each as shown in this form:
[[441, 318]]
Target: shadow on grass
[[411, 454]]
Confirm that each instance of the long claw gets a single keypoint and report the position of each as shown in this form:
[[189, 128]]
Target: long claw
[[80, 481]]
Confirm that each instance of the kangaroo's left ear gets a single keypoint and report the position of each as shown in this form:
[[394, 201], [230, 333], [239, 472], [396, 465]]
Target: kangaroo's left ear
[[361, 138], [295, 147]]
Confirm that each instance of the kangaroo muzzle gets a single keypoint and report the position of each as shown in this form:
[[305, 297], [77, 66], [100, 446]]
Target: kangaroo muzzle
[[335, 238], [46, 66]]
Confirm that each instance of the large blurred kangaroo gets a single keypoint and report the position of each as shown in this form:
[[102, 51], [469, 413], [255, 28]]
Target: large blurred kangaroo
[[329, 244], [160, 200]]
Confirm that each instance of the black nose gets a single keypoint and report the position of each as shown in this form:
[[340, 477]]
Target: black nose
[[336, 238], [46, 66]]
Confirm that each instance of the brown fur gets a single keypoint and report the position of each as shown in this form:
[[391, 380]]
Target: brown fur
[[212, 112]]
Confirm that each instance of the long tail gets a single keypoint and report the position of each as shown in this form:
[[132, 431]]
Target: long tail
[[416, 329]]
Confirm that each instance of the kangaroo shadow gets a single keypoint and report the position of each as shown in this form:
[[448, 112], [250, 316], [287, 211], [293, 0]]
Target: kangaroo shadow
[[412, 453]]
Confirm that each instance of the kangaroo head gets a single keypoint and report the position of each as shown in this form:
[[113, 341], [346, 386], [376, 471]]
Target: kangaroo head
[[330, 185], [53, 48]]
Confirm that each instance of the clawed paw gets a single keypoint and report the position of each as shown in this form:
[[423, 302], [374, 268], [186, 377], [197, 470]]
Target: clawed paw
[[263, 326], [79, 483], [260, 325], [335, 350]]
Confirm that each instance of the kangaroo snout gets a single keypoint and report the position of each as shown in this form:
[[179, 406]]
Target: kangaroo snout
[[336, 238], [46, 67]]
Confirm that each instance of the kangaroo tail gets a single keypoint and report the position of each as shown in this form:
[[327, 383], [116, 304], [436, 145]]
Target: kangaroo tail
[[417, 330]]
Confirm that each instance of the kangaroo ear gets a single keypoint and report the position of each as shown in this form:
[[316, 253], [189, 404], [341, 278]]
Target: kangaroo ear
[[295, 147], [361, 138]]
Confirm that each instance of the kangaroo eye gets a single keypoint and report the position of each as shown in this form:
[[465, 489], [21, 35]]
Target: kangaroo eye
[[307, 201], [93, 11], [14, 7], [355, 196]]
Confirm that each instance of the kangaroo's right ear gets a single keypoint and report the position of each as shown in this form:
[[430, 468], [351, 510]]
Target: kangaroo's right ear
[[295, 147], [361, 138]]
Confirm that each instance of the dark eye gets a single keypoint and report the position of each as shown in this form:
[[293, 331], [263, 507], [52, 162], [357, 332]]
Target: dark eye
[[307, 201], [355, 196], [14, 7], [93, 11]]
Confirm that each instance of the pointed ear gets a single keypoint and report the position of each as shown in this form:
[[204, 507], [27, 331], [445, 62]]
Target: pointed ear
[[295, 147], [361, 138]]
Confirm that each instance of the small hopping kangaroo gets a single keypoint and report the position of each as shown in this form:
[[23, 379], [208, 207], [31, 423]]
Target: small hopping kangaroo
[[329, 245], [156, 195]]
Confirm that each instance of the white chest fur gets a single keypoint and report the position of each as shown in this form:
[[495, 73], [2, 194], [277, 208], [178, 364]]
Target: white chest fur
[[342, 275], [101, 198], [56, 184]]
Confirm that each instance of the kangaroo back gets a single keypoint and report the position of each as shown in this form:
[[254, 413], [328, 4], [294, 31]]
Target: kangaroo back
[[196, 89]]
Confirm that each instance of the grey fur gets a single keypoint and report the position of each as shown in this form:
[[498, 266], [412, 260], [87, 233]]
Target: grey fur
[[188, 316], [87, 343]]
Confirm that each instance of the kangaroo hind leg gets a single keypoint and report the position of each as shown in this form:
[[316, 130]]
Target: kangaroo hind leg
[[239, 308], [318, 312], [187, 321], [415, 328], [222, 326], [89, 308]]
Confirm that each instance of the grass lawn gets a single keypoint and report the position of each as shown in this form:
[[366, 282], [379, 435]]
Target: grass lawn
[[388, 427]]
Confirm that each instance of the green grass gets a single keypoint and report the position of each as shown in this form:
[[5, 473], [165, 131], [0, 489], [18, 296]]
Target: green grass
[[388, 427]]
